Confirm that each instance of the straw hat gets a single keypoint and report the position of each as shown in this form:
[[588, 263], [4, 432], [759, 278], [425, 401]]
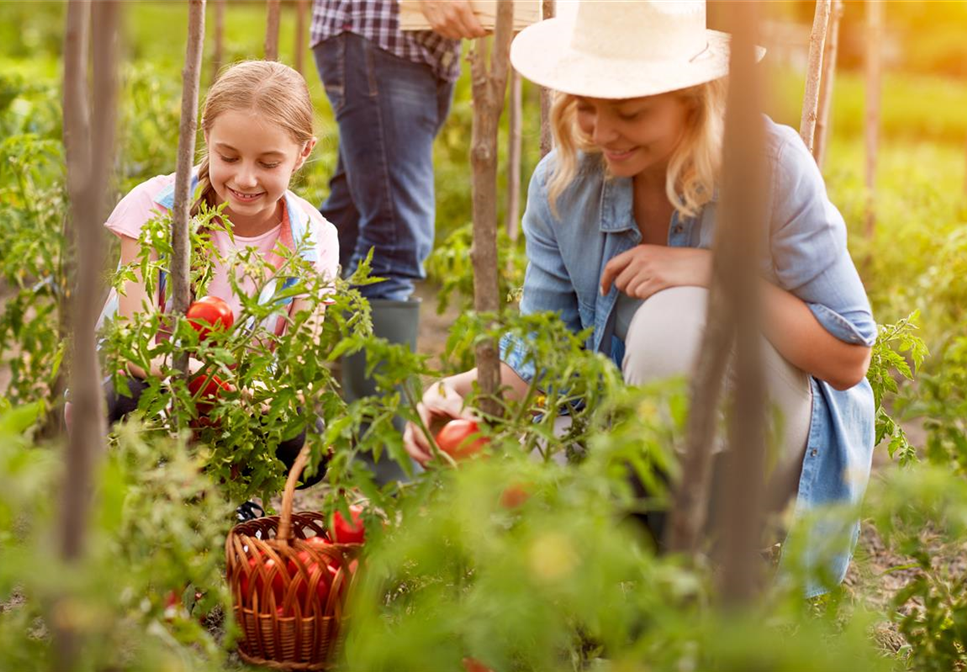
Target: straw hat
[[624, 49]]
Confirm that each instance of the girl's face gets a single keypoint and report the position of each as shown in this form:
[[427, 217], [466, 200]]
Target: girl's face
[[635, 135], [250, 163]]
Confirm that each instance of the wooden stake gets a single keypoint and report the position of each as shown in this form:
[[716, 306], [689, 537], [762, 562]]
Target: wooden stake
[[547, 138], [87, 176], [181, 246], [514, 141], [301, 7], [732, 317], [272, 31], [874, 33], [817, 42], [826, 86], [488, 102], [218, 55]]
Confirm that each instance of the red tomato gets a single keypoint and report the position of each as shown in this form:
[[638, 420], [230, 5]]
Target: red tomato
[[514, 495], [318, 540], [474, 665], [207, 313], [210, 392], [278, 583], [303, 580], [456, 439], [346, 533]]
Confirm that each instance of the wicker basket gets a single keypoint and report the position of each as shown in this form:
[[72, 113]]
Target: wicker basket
[[288, 593]]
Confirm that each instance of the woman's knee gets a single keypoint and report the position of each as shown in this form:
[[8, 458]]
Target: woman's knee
[[665, 334]]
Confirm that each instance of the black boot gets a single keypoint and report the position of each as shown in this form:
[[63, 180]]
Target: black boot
[[397, 322]]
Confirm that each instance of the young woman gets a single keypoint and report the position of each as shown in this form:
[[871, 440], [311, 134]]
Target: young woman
[[620, 219], [258, 127]]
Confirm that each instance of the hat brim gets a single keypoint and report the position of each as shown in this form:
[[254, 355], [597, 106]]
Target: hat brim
[[536, 54]]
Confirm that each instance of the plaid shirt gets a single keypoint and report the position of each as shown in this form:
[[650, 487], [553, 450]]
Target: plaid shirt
[[379, 22]]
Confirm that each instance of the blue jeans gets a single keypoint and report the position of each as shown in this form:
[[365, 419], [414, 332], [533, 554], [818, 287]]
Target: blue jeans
[[389, 111]]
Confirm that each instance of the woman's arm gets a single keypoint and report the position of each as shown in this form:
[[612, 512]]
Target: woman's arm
[[799, 337]]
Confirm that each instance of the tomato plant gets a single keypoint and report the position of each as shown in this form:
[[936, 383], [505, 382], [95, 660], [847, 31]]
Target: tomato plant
[[208, 313], [206, 387]]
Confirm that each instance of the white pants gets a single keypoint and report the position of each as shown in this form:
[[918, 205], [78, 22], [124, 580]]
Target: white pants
[[663, 340]]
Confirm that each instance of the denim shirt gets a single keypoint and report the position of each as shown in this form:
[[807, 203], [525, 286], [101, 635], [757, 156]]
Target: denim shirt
[[807, 256]]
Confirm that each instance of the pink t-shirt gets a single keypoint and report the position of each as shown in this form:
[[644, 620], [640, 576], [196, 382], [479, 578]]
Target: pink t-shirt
[[140, 206]]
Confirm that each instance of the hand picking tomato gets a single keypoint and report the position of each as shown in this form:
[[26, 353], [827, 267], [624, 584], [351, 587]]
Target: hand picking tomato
[[210, 392], [207, 313], [346, 533], [455, 439]]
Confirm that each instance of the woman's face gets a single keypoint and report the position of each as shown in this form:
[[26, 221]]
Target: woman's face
[[251, 163], [634, 135]]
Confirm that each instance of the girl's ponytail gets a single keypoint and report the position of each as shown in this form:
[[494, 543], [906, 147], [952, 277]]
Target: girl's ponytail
[[205, 188]]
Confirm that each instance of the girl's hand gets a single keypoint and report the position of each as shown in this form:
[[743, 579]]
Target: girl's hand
[[441, 403], [647, 269]]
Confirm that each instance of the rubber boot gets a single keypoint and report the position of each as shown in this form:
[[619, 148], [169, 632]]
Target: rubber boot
[[397, 322]]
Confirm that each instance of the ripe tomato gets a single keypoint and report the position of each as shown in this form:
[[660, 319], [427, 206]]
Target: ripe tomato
[[346, 533], [456, 439], [278, 583], [302, 581], [207, 313], [514, 495], [210, 391], [318, 540]]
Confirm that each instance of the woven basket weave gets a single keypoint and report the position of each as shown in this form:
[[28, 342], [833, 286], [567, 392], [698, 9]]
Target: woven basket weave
[[288, 621]]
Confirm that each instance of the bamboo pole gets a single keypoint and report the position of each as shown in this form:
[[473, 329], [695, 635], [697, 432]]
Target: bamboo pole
[[488, 101], [181, 246], [744, 219], [732, 318], [874, 33], [272, 31], [547, 12], [814, 69], [828, 80], [514, 142], [218, 55], [301, 7], [88, 171]]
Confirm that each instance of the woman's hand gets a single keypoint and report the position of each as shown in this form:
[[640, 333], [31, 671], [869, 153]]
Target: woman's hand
[[646, 269], [441, 403]]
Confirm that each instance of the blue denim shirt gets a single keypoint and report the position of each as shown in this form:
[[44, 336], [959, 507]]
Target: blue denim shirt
[[806, 241]]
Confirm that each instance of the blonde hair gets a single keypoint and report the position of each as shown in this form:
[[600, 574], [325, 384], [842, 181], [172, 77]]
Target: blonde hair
[[693, 169], [275, 92]]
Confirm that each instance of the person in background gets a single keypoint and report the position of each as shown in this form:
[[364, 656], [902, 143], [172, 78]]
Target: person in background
[[619, 224], [390, 93]]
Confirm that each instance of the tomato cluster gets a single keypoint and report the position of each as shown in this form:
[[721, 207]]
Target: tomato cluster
[[311, 570]]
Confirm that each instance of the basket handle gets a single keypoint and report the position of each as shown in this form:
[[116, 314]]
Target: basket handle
[[285, 520]]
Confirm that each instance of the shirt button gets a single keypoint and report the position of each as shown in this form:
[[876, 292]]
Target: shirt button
[[678, 228], [814, 452]]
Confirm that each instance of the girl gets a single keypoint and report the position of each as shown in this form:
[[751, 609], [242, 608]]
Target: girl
[[257, 122], [621, 216]]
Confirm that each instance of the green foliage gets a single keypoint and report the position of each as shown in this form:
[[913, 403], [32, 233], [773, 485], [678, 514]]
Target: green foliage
[[886, 364], [922, 514], [941, 400], [158, 527]]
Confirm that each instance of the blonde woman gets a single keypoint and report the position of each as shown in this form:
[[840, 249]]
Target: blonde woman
[[621, 215]]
